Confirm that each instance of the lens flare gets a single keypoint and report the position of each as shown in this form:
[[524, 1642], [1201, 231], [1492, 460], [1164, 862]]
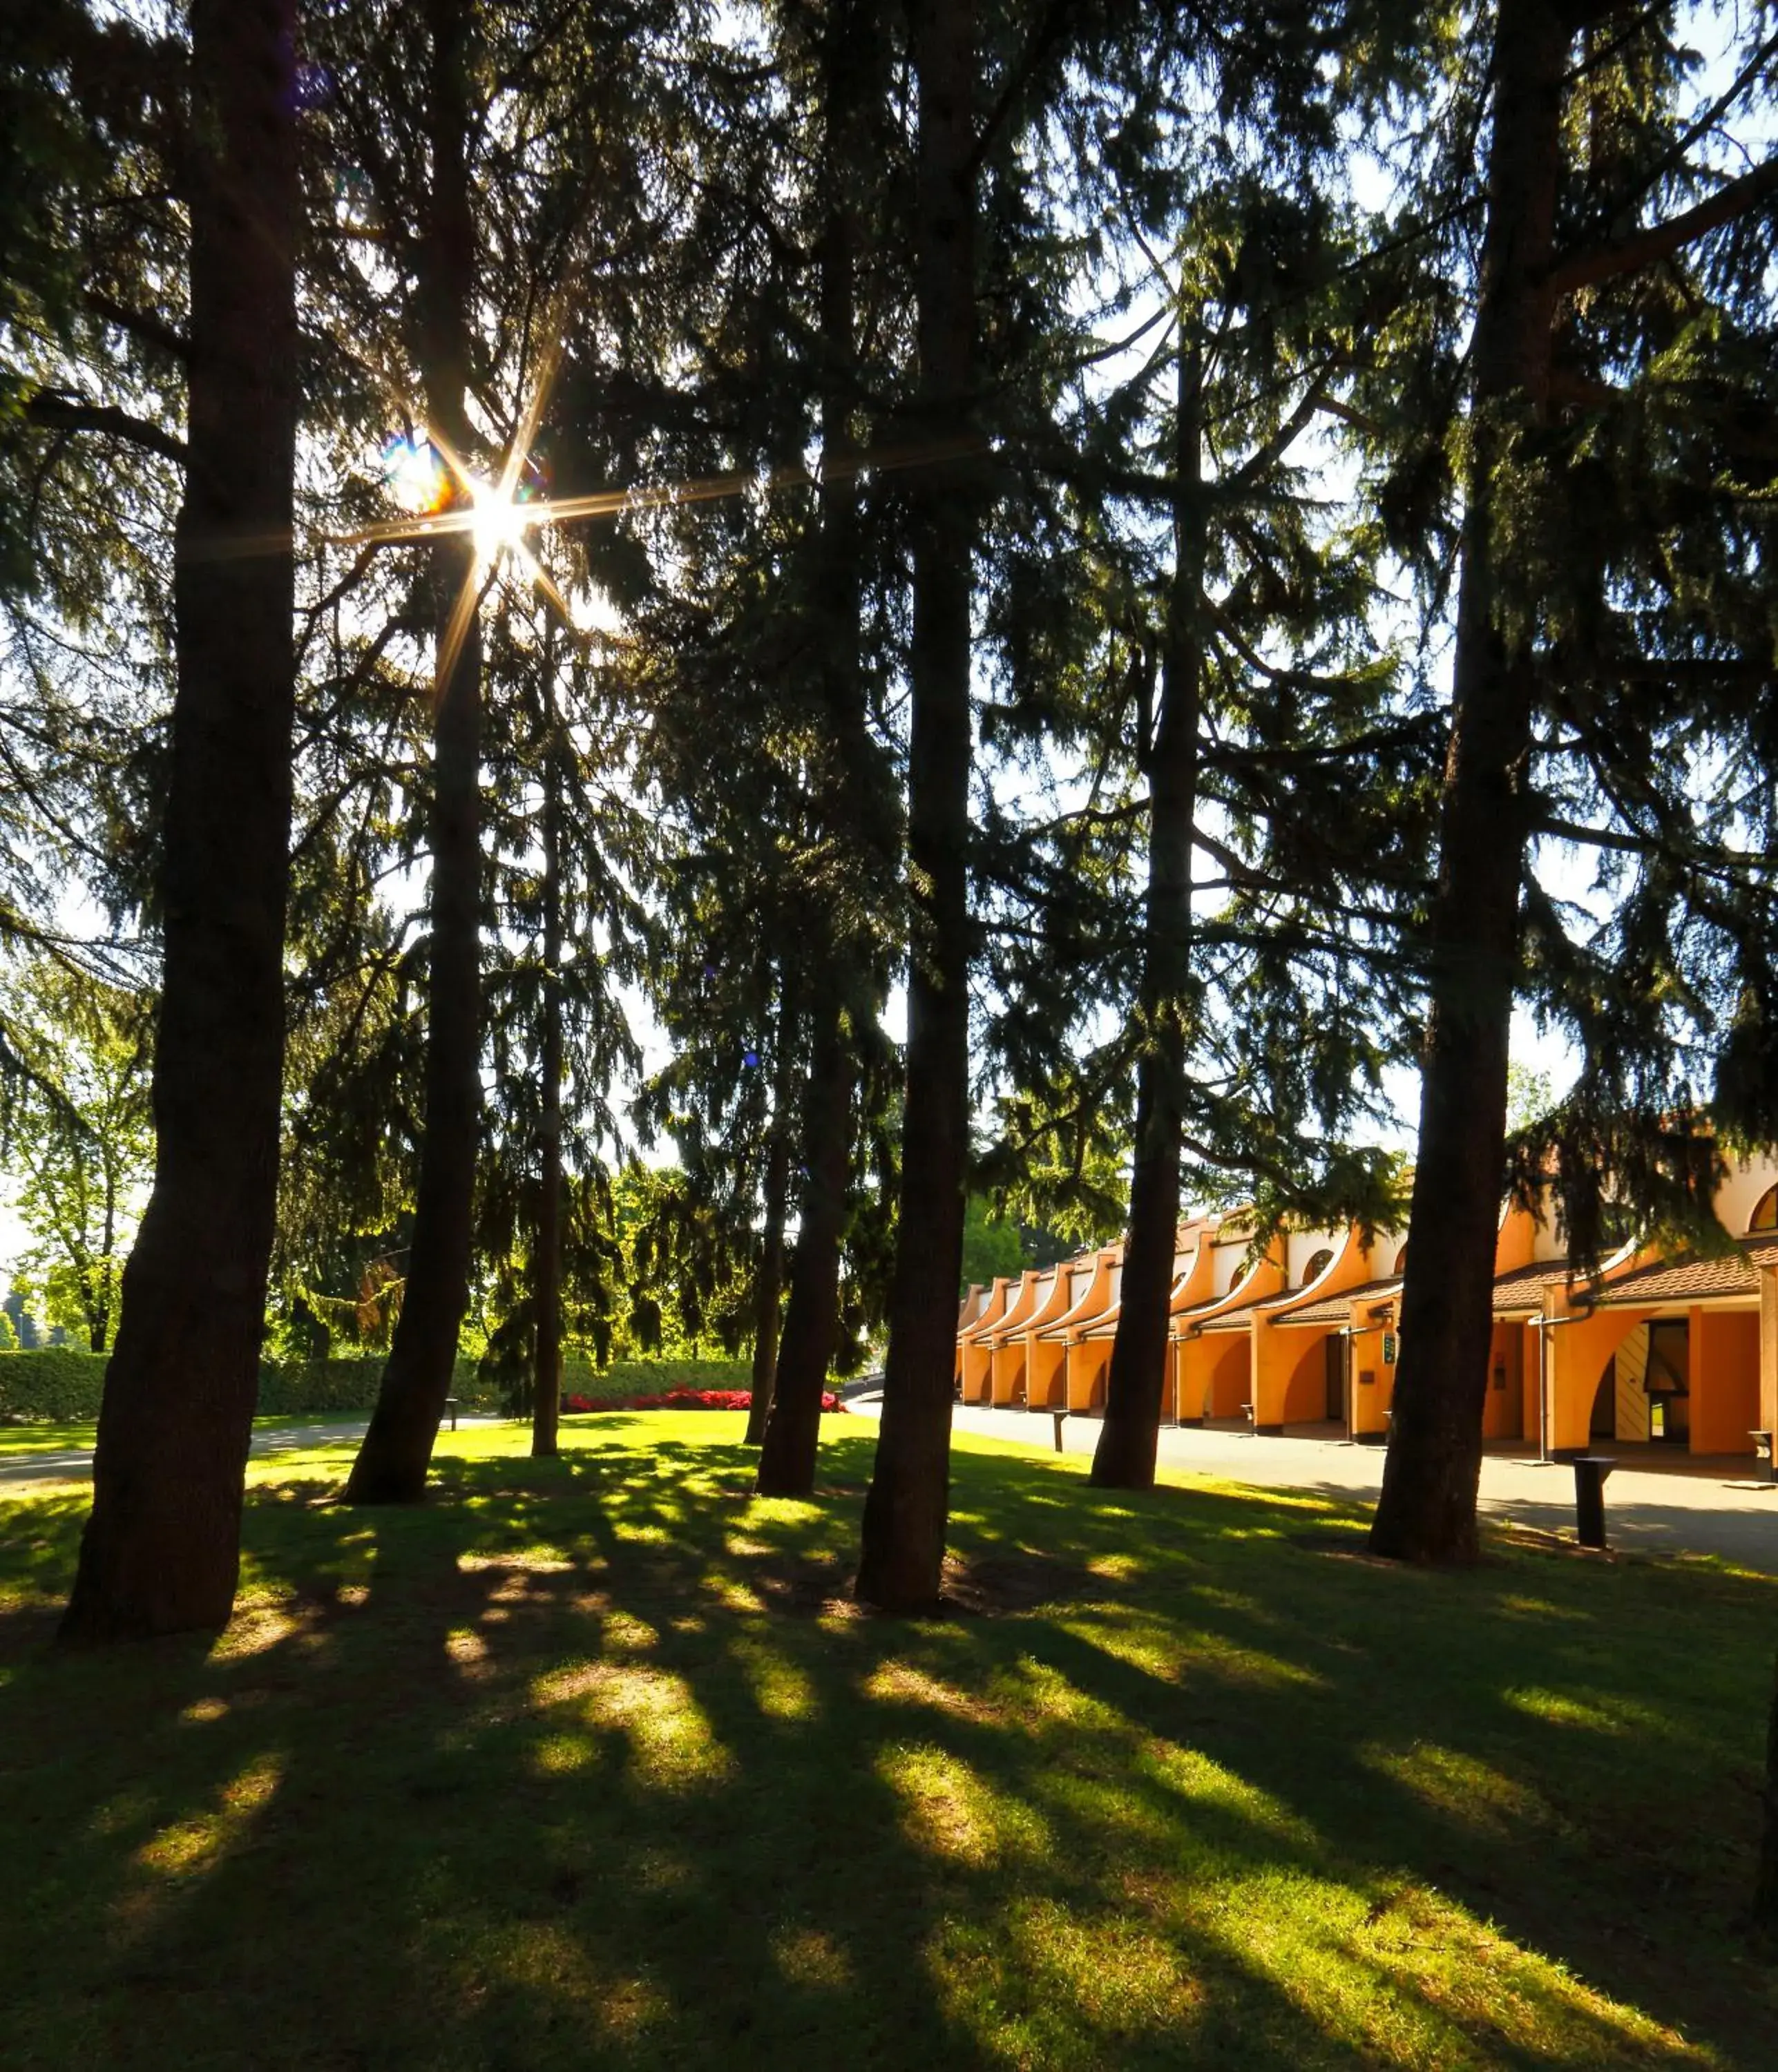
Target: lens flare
[[415, 475]]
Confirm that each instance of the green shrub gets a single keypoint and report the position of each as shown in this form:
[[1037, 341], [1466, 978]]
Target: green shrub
[[54, 1381], [64, 1386], [623, 1378]]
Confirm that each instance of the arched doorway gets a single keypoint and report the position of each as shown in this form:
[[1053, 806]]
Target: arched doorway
[[1645, 1388], [1602, 1421], [1339, 1358]]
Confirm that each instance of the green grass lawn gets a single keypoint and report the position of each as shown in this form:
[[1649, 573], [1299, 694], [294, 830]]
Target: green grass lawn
[[590, 1762]]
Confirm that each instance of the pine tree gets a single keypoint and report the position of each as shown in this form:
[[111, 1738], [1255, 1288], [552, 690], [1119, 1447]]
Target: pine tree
[[161, 1550], [1519, 442], [902, 1550]]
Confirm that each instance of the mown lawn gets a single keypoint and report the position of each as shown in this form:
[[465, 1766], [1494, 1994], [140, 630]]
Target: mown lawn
[[590, 1762]]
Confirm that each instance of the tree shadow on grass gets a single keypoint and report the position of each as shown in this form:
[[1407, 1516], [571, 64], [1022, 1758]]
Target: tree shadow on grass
[[541, 1773]]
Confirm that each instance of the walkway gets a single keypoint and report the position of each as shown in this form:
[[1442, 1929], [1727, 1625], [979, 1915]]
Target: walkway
[[1654, 1502], [77, 1463]]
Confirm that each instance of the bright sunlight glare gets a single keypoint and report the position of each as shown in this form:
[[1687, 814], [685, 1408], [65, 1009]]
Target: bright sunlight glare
[[499, 523]]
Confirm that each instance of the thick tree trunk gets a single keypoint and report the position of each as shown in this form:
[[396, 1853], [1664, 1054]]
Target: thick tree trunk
[[161, 1551], [391, 1467], [905, 1511], [99, 1321], [1426, 1511], [851, 62], [787, 1463], [546, 1387], [1124, 1457], [769, 1288], [768, 1295]]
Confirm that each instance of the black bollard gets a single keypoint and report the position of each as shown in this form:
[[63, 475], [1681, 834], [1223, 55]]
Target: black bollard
[[1591, 1470]]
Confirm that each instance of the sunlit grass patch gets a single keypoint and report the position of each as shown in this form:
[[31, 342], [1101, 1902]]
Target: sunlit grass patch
[[812, 1958], [1464, 1787], [594, 1761], [1568, 1708], [1046, 1984], [196, 1842], [780, 1687], [951, 1812]]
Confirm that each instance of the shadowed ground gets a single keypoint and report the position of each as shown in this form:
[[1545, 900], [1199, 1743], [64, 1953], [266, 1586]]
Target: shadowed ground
[[590, 1762]]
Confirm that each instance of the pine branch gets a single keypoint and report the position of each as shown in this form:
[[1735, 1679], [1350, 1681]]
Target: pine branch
[[63, 413], [138, 324], [1660, 240]]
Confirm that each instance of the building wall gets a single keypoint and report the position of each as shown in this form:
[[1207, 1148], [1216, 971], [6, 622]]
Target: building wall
[[1089, 1361], [1009, 1374], [1214, 1373], [1371, 1400], [1502, 1407], [1228, 1258], [1739, 1194], [1725, 1381], [1300, 1246], [1575, 1356], [1046, 1373], [1290, 1370]]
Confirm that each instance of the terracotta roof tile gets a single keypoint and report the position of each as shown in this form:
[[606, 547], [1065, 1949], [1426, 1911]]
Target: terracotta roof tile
[[1522, 1288], [1236, 1319], [1331, 1310], [1695, 1280]]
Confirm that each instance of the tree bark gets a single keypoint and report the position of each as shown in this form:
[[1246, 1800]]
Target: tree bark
[[1130, 1437], [906, 1509], [769, 1296], [1426, 1511], [850, 78], [769, 1289], [792, 1439], [392, 1462], [161, 1551], [546, 1396], [98, 1309]]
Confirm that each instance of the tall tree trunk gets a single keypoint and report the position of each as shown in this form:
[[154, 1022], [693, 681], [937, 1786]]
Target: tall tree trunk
[[768, 1293], [850, 78], [905, 1511], [161, 1549], [391, 1466], [1426, 1511], [99, 1316], [1124, 1457], [787, 1463], [769, 1288], [546, 1389]]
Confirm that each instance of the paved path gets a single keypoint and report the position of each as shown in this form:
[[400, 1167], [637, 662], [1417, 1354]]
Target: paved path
[[76, 1464], [1654, 1502]]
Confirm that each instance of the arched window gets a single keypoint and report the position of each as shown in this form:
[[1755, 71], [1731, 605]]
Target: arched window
[[1317, 1266], [1765, 1212], [1401, 1260]]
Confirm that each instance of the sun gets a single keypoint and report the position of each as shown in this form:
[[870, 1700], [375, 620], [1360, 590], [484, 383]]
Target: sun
[[498, 525]]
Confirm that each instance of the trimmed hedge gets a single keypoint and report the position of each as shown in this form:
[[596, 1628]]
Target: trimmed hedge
[[623, 1378], [63, 1386], [54, 1381]]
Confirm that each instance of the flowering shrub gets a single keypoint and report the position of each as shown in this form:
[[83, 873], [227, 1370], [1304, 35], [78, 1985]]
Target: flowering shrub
[[682, 1398]]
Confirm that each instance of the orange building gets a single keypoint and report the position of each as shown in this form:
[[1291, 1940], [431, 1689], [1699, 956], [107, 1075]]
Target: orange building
[[1650, 1350]]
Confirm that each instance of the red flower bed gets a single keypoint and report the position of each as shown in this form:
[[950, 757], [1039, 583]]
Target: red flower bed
[[682, 1398]]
